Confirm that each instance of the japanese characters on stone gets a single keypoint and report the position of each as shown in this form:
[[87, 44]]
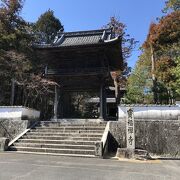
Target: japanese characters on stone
[[130, 129]]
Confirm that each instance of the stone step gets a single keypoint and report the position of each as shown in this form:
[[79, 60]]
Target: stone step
[[45, 141], [56, 154], [59, 124], [54, 146], [70, 128], [51, 150], [56, 138], [61, 138], [67, 131], [64, 134]]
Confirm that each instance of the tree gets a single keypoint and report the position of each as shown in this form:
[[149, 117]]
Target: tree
[[150, 44], [165, 32], [163, 38], [119, 29], [163, 42], [12, 65], [13, 34], [14, 46], [173, 5], [18, 60], [139, 83], [48, 25], [128, 44], [176, 73]]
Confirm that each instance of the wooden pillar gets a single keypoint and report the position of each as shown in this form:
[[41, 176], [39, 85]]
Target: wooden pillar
[[102, 103], [116, 85], [118, 98], [12, 92], [60, 104], [55, 102]]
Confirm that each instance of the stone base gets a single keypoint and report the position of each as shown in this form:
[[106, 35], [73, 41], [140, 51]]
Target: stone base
[[99, 149], [4, 144], [125, 153], [138, 154]]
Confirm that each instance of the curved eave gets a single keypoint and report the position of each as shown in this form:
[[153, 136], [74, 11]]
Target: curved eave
[[116, 40]]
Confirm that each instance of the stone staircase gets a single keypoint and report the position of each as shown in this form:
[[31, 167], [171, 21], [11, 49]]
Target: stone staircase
[[57, 138]]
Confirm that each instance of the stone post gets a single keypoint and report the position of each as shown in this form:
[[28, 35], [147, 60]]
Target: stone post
[[129, 151], [3, 144]]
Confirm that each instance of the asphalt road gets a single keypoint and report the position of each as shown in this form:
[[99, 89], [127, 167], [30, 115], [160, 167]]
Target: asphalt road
[[15, 166]]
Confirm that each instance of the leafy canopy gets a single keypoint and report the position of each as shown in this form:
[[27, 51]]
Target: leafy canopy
[[173, 5]]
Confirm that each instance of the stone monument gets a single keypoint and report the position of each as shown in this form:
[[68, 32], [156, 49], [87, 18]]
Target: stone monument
[[130, 135]]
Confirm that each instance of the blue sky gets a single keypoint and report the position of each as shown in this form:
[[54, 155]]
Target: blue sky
[[93, 14]]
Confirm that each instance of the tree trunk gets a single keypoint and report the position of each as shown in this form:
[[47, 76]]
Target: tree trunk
[[153, 75]]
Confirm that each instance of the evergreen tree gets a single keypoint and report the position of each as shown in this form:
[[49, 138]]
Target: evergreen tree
[[139, 83], [48, 25]]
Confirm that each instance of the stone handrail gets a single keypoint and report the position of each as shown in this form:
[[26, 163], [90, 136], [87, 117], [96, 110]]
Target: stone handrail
[[101, 146], [105, 135], [24, 132]]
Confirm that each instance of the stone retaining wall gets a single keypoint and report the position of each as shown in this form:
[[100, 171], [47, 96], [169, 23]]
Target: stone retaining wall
[[158, 137], [12, 128], [16, 119]]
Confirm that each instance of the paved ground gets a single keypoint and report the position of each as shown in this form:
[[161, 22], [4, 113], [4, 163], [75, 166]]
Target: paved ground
[[15, 166]]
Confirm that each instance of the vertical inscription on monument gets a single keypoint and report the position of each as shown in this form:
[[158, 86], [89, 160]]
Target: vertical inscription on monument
[[130, 135]]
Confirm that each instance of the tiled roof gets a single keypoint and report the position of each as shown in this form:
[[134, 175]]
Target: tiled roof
[[70, 41], [64, 39]]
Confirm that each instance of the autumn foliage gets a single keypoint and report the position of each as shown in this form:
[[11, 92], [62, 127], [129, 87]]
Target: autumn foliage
[[163, 43]]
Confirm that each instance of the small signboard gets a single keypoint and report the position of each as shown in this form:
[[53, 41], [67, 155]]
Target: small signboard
[[130, 134]]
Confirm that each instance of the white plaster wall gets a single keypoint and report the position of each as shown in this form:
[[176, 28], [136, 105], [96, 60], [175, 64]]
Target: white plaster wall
[[30, 113], [17, 112], [151, 112]]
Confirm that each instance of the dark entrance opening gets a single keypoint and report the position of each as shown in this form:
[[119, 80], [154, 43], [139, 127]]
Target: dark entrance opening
[[76, 105]]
